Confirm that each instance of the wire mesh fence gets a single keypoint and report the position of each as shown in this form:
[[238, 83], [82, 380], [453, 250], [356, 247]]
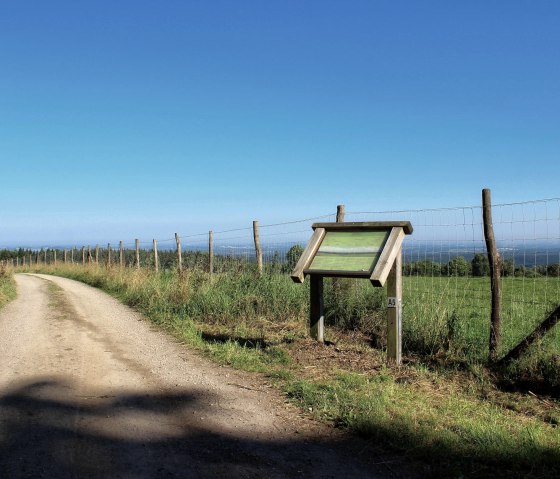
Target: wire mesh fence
[[446, 292]]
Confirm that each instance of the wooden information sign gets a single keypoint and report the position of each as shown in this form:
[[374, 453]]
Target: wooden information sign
[[370, 250]]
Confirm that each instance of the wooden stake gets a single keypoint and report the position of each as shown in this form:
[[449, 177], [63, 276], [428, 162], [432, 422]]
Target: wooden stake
[[179, 257], [394, 311], [495, 284], [89, 254], [54, 257], [258, 251], [96, 254], [72, 255], [83, 256], [121, 253], [65, 255], [155, 256], [316, 308], [137, 253], [210, 253], [340, 214], [108, 254]]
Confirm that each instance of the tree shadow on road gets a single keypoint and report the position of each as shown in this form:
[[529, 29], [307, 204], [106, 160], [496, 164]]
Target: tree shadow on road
[[48, 431]]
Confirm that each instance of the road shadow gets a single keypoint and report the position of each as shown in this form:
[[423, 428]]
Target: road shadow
[[47, 431], [253, 343]]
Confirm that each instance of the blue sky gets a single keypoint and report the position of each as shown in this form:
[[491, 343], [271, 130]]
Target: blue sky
[[138, 119]]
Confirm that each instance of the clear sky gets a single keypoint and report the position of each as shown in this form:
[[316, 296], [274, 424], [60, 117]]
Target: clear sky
[[124, 119]]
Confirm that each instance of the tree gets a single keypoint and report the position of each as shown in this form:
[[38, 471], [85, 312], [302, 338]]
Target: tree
[[480, 265], [292, 256], [458, 266]]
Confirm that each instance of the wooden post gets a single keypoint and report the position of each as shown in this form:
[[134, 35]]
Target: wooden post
[[179, 257], [72, 255], [137, 254], [394, 311], [258, 250], [54, 257], [83, 256], [316, 308], [36, 259], [45, 256], [340, 214], [65, 255], [89, 254], [495, 266], [96, 254], [155, 256], [210, 253], [121, 253], [108, 254], [17, 261]]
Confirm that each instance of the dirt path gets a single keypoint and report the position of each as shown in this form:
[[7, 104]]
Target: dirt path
[[90, 389]]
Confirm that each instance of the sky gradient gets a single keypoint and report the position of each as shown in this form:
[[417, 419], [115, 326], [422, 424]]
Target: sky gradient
[[138, 119]]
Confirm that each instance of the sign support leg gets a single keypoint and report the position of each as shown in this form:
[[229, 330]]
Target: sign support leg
[[316, 312], [394, 311]]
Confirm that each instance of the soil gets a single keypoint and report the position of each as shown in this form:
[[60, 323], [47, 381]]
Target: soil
[[89, 388]]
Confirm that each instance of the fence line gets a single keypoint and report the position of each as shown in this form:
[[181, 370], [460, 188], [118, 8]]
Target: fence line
[[444, 263]]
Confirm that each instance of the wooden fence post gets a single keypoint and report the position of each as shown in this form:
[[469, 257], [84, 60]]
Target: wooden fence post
[[96, 254], [316, 308], [495, 266], [258, 250], [394, 311], [137, 253], [72, 255], [108, 254], [179, 257], [155, 256], [210, 253], [65, 255], [120, 253], [340, 214], [89, 254], [54, 256], [83, 256]]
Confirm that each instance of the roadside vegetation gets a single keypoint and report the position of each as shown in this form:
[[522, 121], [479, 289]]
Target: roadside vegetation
[[444, 406], [7, 286]]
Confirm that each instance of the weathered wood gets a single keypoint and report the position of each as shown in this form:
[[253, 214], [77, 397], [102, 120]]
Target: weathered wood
[[65, 256], [54, 257], [96, 254], [538, 333], [108, 254], [17, 261], [258, 250], [155, 257], [394, 311], [83, 256], [495, 261], [137, 253], [316, 308], [210, 252], [72, 255], [340, 214], [179, 257], [89, 256], [305, 259], [121, 255], [387, 258], [370, 225]]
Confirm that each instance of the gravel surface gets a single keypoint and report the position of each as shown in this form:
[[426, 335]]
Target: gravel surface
[[88, 388]]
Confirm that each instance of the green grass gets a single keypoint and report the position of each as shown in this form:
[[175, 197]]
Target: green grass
[[450, 414], [7, 287]]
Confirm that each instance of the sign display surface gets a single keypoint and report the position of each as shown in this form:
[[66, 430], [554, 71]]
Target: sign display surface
[[349, 251]]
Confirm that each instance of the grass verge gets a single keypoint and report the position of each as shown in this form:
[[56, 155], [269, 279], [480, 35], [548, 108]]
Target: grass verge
[[7, 287], [456, 420]]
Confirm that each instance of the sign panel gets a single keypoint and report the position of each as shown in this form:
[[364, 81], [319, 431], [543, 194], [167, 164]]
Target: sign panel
[[349, 252]]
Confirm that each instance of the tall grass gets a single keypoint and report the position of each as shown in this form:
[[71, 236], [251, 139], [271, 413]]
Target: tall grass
[[7, 286]]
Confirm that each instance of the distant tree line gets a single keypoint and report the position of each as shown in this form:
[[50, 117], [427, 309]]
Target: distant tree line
[[478, 267]]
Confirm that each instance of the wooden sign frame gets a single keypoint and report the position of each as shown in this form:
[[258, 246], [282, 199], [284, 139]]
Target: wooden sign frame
[[386, 267]]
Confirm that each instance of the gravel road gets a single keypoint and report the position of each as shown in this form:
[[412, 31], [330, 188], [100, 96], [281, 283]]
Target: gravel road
[[88, 389]]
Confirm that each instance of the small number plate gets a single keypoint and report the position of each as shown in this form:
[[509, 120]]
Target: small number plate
[[391, 302]]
